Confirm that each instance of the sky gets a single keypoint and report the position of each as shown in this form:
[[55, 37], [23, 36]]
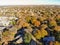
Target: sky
[[29, 2]]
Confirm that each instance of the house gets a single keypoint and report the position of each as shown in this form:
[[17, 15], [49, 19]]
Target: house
[[5, 21]]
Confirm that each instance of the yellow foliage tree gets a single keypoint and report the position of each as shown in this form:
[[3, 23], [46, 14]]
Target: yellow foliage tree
[[44, 33], [36, 23], [28, 18], [58, 17], [57, 28], [25, 24], [57, 43], [38, 34], [52, 23], [44, 26], [42, 18]]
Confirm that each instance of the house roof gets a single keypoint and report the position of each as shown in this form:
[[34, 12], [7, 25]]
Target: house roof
[[5, 21]]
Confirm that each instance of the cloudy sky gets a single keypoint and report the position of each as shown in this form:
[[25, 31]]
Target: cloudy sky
[[29, 2]]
